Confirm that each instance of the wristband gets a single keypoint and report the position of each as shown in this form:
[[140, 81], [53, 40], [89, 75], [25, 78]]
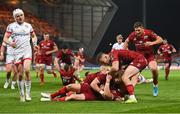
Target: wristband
[[35, 43], [101, 92]]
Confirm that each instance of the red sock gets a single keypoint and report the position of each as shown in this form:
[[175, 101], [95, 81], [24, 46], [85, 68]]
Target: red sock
[[167, 73], [130, 89], [42, 77], [55, 75], [59, 99], [59, 92]]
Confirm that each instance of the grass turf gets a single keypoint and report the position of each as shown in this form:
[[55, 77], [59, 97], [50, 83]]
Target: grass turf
[[168, 100]]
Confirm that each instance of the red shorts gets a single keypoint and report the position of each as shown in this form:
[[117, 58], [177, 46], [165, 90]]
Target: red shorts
[[140, 62], [167, 60], [46, 60], [87, 91], [149, 56]]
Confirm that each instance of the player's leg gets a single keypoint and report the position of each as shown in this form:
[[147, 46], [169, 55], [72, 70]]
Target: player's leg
[[49, 67], [129, 72], [79, 97], [41, 68], [167, 69], [19, 67], [27, 66], [37, 70], [8, 75], [71, 87], [14, 77], [134, 79], [50, 70], [153, 67]]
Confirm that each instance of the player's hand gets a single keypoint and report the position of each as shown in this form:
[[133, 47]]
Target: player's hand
[[48, 52], [35, 48], [108, 78], [148, 43], [169, 52], [13, 44]]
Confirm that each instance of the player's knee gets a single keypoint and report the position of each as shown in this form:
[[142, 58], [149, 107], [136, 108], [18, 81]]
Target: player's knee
[[153, 69]]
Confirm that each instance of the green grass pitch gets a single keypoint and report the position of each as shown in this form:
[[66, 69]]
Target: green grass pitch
[[168, 100]]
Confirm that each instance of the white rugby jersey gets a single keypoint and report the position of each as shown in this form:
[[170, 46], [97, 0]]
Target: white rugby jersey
[[117, 46], [20, 33]]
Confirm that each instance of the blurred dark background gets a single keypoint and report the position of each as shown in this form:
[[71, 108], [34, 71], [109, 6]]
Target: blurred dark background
[[161, 16], [94, 24]]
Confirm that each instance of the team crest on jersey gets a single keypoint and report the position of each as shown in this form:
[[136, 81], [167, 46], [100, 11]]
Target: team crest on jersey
[[145, 37], [135, 39], [138, 64]]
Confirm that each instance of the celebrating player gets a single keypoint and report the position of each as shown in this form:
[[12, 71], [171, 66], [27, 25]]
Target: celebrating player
[[21, 33], [166, 50], [144, 41]]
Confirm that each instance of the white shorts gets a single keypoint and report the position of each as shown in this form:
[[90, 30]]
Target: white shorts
[[20, 57], [10, 59]]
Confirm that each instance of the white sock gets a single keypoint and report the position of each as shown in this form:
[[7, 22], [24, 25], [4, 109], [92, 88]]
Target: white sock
[[28, 87], [155, 85], [7, 80], [21, 87], [13, 83], [132, 96]]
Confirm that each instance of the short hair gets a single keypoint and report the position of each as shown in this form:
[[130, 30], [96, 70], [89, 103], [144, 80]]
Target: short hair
[[138, 24], [119, 36], [46, 33], [98, 57]]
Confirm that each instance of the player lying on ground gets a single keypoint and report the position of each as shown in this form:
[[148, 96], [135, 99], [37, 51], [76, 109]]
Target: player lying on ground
[[84, 91]]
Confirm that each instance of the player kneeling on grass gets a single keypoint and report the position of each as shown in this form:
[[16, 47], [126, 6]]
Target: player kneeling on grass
[[68, 74], [136, 63]]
